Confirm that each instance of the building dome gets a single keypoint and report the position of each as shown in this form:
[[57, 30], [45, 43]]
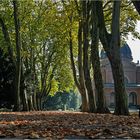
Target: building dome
[[125, 52]]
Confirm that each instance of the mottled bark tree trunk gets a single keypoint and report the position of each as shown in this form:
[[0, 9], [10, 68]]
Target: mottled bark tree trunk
[[18, 58], [34, 78], [79, 80], [85, 106], [117, 68], [101, 106], [79, 84], [111, 44], [121, 103], [88, 83]]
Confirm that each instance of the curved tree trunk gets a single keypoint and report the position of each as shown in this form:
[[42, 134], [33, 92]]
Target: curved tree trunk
[[79, 80], [85, 106]]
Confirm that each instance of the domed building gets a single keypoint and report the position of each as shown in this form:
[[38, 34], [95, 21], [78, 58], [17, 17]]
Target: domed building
[[131, 74]]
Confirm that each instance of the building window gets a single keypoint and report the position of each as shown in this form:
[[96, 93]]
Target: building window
[[112, 99], [132, 99]]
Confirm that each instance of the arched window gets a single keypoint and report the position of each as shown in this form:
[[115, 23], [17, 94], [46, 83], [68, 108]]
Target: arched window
[[112, 99], [132, 99]]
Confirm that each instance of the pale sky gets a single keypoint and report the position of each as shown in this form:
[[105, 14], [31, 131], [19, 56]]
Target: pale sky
[[135, 45]]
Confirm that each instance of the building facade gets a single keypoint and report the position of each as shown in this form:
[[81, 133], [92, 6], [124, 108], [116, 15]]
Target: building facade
[[131, 74]]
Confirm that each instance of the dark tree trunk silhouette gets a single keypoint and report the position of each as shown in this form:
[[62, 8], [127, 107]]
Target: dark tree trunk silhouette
[[18, 57], [101, 105], [111, 44], [80, 84], [88, 83]]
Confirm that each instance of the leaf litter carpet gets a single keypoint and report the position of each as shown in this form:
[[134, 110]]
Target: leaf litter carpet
[[67, 125]]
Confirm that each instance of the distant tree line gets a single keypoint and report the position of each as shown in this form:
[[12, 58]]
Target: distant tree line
[[62, 101]]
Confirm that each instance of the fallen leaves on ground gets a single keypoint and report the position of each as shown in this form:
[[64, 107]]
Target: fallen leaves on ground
[[67, 125]]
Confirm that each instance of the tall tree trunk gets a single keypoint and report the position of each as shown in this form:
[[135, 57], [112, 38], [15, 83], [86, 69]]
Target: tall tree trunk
[[18, 58], [79, 84], [85, 107], [117, 68], [88, 83], [34, 78], [101, 105], [111, 44], [35, 89]]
